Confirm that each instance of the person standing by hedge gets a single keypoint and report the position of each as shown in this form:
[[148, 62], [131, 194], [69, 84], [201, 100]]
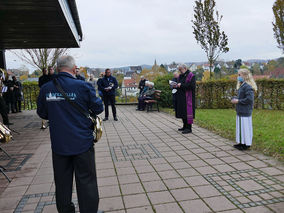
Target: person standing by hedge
[[185, 98], [244, 106]]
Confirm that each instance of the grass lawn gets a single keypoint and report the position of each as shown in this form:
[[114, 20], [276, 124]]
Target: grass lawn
[[268, 127]]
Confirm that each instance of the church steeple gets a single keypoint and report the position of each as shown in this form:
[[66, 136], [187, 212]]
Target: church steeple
[[155, 66]]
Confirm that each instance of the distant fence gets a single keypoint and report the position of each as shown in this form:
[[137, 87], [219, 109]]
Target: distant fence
[[31, 92]]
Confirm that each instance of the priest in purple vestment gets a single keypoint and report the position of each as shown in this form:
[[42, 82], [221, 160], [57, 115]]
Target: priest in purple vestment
[[185, 98]]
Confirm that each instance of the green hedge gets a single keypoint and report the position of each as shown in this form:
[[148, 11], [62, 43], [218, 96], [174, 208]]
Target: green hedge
[[30, 94], [162, 83], [217, 94]]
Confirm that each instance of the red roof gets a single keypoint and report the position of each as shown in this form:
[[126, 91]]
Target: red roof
[[129, 83], [261, 77]]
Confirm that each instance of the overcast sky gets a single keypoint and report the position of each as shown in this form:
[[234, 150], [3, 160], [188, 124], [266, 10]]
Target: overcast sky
[[134, 32]]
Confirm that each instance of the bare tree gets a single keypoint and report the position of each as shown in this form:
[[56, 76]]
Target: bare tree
[[40, 58], [206, 26], [278, 25]]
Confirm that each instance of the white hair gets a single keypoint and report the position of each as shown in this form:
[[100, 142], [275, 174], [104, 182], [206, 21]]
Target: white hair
[[183, 66], [65, 61]]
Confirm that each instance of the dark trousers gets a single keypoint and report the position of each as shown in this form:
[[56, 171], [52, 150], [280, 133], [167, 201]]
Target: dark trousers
[[86, 182], [186, 125], [110, 100], [3, 111], [18, 106], [141, 103]]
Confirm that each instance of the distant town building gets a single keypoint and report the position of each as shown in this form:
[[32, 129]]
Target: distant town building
[[17, 72], [256, 77], [172, 67], [129, 87], [137, 69], [206, 67], [193, 67]]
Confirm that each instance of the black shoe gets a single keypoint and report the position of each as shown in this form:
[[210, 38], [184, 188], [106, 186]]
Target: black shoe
[[245, 147], [181, 129], [8, 124], [186, 131], [105, 119], [115, 119], [238, 146]]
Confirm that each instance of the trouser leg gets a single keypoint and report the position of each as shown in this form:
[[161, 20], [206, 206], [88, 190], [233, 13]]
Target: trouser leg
[[184, 122], [106, 102], [86, 181], [63, 177], [3, 110], [112, 101], [20, 106]]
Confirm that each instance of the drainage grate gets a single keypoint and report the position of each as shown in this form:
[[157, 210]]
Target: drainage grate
[[134, 152]]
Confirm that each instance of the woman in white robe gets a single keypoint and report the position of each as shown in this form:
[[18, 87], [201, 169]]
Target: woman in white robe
[[244, 106]]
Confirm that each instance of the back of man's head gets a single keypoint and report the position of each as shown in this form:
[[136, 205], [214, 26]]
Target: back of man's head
[[66, 62]]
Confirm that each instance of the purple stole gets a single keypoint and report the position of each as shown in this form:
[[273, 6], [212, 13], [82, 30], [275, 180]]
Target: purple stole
[[188, 96]]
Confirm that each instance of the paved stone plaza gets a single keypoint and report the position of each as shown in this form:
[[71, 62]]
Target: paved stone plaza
[[145, 165]]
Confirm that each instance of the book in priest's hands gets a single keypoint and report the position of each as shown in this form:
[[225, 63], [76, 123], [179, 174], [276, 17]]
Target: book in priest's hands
[[172, 83]]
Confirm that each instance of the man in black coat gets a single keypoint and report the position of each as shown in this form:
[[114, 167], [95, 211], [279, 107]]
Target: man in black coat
[[185, 98], [108, 85], [142, 84], [78, 74], [44, 78], [17, 94]]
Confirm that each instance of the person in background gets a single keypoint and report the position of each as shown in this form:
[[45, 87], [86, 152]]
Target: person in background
[[3, 105], [10, 95], [108, 85], [78, 74], [72, 140], [17, 94], [99, 84], [244, 106], [51, 73], [41, 81], [142, 84], [185, 98], [174, 91], [91, 80], [147, 94], [44, 78]]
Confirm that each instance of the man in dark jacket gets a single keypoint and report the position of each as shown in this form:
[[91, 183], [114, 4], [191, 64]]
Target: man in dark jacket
[[108, 85], [71, 137], [44, 78], [17, 93], [51, 73], [78, 74], [142, 84]]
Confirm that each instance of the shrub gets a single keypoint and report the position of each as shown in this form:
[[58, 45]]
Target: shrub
[[162, 83], [217, 94]]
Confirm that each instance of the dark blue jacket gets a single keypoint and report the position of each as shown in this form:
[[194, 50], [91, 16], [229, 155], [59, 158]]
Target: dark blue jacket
[[105, 82], [246, 98], [79, 77], [70, 131]]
